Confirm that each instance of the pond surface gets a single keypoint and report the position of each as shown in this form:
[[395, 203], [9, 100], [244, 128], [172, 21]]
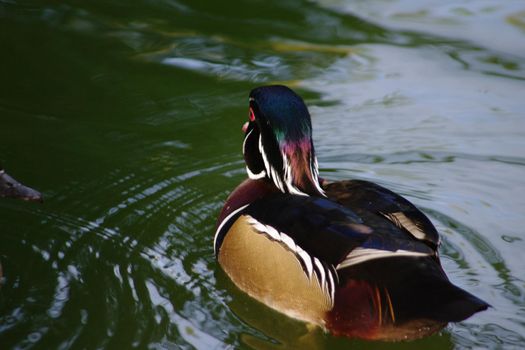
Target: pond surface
[[127, 116]]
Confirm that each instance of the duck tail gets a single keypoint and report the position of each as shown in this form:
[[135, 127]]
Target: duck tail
[[397, 299]]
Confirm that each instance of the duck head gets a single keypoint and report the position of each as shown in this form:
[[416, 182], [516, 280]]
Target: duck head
[[278, 142], [11, 188]]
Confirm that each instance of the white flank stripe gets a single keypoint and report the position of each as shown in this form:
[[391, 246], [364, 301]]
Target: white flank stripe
[[360, 255], [322, 277], [289, 242], [270, 231], [223, 223], [331, 286], [307, 259], [327, 286]]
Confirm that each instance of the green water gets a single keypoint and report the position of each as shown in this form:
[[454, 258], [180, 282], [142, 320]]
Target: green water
[[127, 116]]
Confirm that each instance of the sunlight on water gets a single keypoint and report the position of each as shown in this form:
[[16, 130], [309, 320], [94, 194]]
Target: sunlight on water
[[127, 117]]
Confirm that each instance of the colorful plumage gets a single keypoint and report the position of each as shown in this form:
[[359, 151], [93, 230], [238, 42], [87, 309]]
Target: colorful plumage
[[351, 256]]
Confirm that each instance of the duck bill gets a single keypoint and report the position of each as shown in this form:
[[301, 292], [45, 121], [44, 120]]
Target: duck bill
[[11, 188]]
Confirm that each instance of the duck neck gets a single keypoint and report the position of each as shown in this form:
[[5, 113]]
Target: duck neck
[[301, 173]]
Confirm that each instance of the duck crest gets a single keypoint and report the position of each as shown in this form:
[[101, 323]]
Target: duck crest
[[280, 127]]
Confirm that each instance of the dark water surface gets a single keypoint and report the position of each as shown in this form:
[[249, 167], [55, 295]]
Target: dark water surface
[[127, 116]]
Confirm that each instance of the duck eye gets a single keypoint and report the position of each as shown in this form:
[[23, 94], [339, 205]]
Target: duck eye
[[252, 115]]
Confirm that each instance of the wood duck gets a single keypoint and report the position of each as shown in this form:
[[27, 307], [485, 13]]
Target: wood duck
[[10, 188], [350, 256]]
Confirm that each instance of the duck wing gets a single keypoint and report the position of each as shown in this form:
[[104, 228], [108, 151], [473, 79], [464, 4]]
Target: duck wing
[[324, 236], [384, 208], [358, 277]]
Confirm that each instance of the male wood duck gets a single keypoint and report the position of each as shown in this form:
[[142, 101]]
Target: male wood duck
[[350, 256], [11, 188]]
